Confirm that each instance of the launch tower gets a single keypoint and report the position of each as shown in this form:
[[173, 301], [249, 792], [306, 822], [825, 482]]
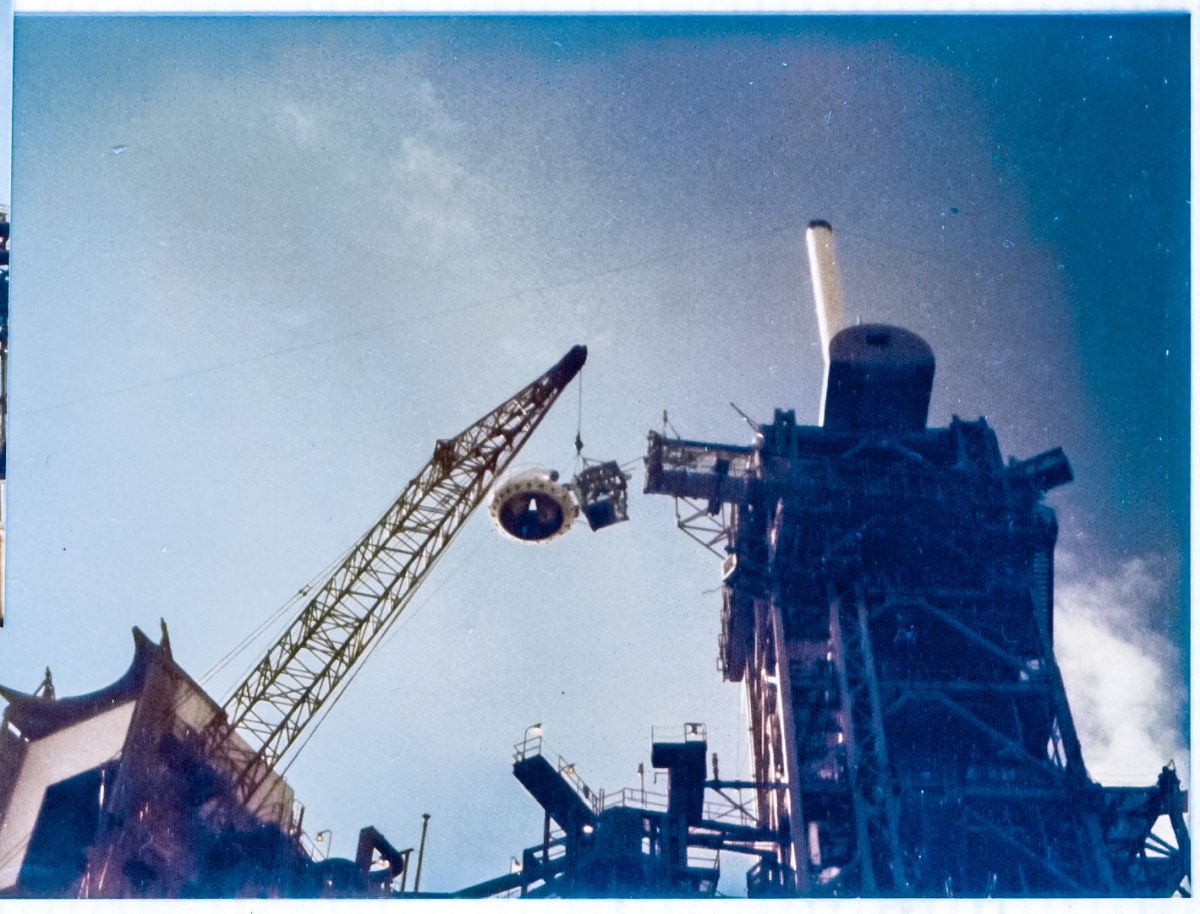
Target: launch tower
[[888, 603]]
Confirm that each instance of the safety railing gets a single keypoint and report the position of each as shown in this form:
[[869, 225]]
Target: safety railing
[[734, 806], [317, 846], [528, 747], [567, 770], [690, 733], [532, 745], [703, 858], [631, 798], [553, 850]]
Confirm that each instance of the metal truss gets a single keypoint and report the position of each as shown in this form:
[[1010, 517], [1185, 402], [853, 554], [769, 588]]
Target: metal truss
[[772, 730], [1038, 678], [1038, 810], [895, 638], [308, 665], [711, 529], [706, 480], [875, 799], [1035, 804]]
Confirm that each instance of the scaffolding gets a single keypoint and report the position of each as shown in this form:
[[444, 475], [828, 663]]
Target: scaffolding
[[888, 603]]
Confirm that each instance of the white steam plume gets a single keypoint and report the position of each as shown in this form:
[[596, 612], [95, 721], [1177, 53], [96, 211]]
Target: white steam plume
[[1122, 678]]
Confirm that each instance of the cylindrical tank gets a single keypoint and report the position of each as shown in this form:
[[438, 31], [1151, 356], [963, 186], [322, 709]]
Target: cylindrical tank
[[880, 378]]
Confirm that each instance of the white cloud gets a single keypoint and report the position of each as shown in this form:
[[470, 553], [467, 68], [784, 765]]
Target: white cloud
[[431, 190], [1122, 678]]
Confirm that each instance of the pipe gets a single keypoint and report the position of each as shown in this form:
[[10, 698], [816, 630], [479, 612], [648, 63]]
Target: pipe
[[421, 853]]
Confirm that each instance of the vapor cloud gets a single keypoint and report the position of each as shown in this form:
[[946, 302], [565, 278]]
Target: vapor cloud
[[1127, 695]]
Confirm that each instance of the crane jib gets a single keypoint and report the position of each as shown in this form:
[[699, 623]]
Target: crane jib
[[310, 662]]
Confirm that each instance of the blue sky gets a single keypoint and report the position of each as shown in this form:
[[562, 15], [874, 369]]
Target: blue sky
[[262, 264]]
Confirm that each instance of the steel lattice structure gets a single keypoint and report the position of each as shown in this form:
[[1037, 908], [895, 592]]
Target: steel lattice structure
[[308, 665], [888, 602]]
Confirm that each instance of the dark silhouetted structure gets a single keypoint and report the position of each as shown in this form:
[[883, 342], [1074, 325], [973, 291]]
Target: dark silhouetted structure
[[631, 843], [888, 603]]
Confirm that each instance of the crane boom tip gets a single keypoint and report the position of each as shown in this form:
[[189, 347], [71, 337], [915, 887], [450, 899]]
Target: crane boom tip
[[569, 365]]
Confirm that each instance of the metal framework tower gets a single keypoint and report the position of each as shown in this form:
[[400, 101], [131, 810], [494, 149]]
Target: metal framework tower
[[888, 602], [309, 663]]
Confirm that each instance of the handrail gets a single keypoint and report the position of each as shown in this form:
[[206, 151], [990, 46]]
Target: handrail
[[639, 797], [691, 732], [527, 748], [532, 746], [633, 798], [567, 769]]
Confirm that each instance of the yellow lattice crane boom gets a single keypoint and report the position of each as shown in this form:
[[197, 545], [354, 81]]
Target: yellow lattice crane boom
[[308, 665]]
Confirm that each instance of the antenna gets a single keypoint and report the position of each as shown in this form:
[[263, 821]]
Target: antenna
[[827, 292], [750, 422]]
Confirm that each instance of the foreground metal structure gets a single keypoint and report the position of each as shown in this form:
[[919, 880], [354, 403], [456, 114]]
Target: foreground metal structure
[[889, 605], [149, 788], [633, 842]]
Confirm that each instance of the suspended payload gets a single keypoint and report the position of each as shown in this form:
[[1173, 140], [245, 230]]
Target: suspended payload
[[534, 507], [602, 493]]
